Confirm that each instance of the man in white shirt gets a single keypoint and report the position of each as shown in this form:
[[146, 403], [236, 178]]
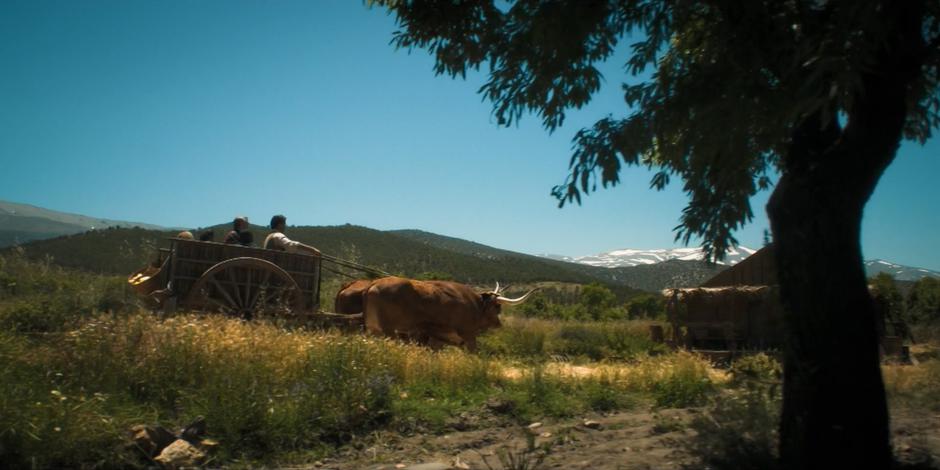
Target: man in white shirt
[[276, 240]]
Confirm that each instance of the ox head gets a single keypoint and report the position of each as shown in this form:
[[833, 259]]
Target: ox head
[[492, 305]]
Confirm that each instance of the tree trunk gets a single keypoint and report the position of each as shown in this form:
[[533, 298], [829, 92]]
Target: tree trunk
[[834, 408]]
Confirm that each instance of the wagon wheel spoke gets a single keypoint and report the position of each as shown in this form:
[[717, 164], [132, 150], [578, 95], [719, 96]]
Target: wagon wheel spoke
[[236, 287], [250, 296], [273, 298], [262, 286], [256, 292], [207, 301], [221, 289]]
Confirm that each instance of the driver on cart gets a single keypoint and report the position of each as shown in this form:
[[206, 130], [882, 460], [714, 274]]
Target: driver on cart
[[276, 240]]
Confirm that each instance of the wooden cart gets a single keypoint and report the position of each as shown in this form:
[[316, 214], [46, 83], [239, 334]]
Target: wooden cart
[[240, 281]]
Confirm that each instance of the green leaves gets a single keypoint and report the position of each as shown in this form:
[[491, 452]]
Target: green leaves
[[731, 82]]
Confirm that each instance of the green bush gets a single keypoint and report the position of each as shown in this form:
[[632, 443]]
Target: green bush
[[756, 370], [687, 385], [537, 339], [923, 302], [38, 297], [650, 306], [539, 394], [603, 395], [739, 429], [514, 342]]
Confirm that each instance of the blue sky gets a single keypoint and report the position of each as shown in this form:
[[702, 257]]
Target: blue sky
[[187, 113]]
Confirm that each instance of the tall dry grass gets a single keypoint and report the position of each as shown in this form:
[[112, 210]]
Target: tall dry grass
[[80, 364], [264, 390], [539, 339], [914, 386]]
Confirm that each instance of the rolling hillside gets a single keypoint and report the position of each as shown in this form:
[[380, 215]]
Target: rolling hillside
[[23, 223], [410, 253], [652, 277], [15, 230]]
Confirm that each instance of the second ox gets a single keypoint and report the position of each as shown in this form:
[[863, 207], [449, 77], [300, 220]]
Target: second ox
[[349, 298], [435, 313]]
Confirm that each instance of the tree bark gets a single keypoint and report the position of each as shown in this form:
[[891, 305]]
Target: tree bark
[[834, 408]]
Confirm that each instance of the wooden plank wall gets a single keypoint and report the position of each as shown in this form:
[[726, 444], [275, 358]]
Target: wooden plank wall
[[759, 269]]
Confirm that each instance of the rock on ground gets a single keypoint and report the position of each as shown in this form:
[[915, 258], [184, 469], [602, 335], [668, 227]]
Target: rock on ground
[[180, 454]]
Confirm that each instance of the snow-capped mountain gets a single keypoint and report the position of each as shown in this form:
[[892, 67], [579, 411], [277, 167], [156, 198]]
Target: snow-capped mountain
[[900, 272], [633, 257]]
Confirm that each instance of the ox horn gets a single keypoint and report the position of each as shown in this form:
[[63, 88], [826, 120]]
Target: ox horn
[[517, 301], [496, 291]]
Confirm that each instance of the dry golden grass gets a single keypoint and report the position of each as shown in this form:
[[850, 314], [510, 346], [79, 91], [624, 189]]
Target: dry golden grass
[[265, 389]]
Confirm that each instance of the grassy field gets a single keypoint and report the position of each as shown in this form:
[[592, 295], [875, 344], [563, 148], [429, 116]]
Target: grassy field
[[81, 363]]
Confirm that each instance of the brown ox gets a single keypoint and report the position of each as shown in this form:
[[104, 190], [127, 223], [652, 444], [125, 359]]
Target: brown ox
[[349, 298], [434, 313]]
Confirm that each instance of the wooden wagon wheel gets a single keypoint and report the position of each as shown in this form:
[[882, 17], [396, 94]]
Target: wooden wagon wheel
[[246, 287]]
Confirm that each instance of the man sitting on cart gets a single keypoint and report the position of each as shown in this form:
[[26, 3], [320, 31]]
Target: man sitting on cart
[[238, 235], [276, 240]]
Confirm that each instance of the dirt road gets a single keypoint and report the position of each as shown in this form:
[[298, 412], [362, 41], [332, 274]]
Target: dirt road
[[641, 439], [632, 440]]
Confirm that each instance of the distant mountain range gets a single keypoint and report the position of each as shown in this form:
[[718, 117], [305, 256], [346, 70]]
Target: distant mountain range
[[629, 257], [121, 247], [900, 272], [633, 257], [22, 223]]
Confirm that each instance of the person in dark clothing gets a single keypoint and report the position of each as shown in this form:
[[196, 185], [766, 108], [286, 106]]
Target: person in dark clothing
[[246, 238], [207, 236], [235, 236]]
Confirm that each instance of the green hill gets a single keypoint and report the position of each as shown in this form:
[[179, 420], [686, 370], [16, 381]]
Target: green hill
[[671, 273], [108, 251], [410, 253], [654, 277]]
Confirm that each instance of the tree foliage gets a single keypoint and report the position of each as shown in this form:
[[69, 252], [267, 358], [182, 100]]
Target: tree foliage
[[646, 306], [884, 287], [716, 88], [923, 302], [724, 95]]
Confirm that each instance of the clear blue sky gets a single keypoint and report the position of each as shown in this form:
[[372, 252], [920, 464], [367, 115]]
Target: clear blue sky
[[187, 113]]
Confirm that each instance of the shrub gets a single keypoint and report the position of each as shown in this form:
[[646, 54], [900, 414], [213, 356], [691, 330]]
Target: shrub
[[511, 341], [540, 394], [537, 339], [739, 429], [755, 370], [604, 395], [38, 297], [686, 383]]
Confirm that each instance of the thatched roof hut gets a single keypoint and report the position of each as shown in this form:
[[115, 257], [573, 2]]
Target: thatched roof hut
[[740, 308], [726, 317]]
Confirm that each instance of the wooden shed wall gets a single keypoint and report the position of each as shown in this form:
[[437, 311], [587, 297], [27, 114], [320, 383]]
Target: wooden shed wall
[[759, 269]]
